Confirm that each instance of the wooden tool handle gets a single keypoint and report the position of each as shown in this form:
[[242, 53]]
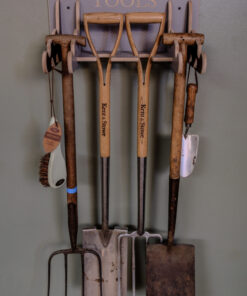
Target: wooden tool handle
[[65, 40], [103, 18], [177, 118], [104, 82], [143, 79], [176, 143], [190, 104], [142, 120], [185, 38], [145, 17], [69, 129], [70, 147], [104, 116]]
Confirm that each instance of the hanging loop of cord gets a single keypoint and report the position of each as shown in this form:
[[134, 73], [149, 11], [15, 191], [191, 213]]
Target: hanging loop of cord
[[51, 92]]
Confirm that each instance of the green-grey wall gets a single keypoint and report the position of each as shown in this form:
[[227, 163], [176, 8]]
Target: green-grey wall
[[212, 205]]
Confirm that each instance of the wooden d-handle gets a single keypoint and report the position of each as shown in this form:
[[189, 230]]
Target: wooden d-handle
[[145, 18], [104, 82], [144, 78], [103, 18], [190, 104]]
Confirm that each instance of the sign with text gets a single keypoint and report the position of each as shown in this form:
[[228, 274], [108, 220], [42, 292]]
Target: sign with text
[[103, 35]]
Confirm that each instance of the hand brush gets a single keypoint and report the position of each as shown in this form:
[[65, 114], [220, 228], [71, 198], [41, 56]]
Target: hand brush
[[52, 170]]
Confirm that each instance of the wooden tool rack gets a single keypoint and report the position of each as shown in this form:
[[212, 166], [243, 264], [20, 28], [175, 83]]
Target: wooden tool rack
[[66, 18]]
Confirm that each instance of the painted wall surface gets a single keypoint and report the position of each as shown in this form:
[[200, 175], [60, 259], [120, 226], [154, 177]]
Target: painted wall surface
[[212, 206]]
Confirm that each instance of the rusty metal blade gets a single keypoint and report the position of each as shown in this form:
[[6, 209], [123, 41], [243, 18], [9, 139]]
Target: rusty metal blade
[[170, 271], [92, 238]]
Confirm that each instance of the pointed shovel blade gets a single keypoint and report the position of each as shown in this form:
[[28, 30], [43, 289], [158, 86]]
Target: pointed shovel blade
[[94, 239], [170, 271]]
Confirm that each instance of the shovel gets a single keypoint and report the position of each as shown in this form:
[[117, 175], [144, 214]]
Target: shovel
[[171, 268], [104, 241], [142, 128]]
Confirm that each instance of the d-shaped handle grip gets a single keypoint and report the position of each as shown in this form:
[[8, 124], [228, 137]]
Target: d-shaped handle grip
[[103, 18], [104, 82], [145, 17]]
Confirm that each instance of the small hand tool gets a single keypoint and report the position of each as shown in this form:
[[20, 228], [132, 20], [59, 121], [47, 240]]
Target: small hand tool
[[142, 129], [70, 152], [52, 165], [190, 143], [104, 241]]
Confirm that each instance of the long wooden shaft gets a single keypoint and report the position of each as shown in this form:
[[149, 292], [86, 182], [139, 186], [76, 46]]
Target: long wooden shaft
[[104, 115], [70, 147], [104, 110], [176, 143]]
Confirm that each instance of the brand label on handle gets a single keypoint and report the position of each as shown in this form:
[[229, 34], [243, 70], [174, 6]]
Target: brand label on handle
[[52, 137], [142, 121], [104, 110], [189, 154]]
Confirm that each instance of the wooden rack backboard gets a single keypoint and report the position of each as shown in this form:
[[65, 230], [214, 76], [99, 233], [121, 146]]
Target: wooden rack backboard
[[69, 20], [66, 17]]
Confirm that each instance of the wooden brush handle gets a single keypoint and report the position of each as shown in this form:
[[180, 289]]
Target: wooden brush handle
[[190, 104]]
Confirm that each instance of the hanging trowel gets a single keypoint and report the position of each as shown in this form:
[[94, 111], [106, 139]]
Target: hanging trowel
[[190, 143]]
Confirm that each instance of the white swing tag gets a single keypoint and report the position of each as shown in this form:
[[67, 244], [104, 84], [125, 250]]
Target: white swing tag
[[190, 146]]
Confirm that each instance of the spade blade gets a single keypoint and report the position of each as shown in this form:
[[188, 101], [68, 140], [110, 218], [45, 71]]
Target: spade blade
[[107, 248], [170, 271]]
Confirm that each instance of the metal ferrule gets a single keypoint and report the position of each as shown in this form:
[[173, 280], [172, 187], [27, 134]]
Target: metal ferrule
[[105, 164], [173, 201], [142, 164]]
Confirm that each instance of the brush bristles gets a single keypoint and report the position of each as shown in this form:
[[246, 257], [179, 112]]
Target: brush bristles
[[43, 170]]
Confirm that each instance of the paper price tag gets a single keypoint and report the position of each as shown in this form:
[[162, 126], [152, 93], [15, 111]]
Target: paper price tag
[[52, 137]]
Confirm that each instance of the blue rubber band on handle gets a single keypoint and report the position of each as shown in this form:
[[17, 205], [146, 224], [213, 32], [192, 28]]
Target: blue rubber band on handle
[[72, 190]]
